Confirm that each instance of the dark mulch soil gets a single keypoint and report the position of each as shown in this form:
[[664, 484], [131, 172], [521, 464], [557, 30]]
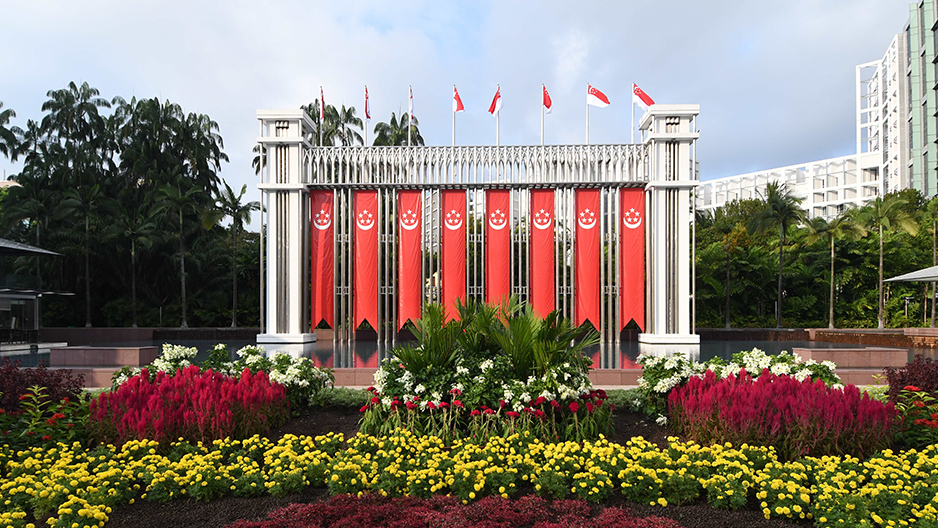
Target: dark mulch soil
[[188, 513]]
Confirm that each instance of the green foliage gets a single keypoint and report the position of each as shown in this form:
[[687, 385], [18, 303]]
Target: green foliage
[[42, 422], [344, 397]]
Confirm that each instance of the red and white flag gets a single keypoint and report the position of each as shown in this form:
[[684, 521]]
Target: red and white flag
[[497, 245], [543, 286], [322, 106], [545, 100], [457, 102], [365, 241], [454, 250], [632, 257], [410, 104], [587, 249], [596, 98], [367, 106], [409, 292], [497, 102], [322, 264], [641, 98]]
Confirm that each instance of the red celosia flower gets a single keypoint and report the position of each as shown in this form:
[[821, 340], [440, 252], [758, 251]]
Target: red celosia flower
[[431, 405], [912, 388], [540, 400], [457, 403], [443, 405], [475, 412], [501, 403], [601, 393], [488, 411], [457, 392], [46, 438], [395, 403], [364, 408], [589, 407], [50, 421], [554, 404], [371, 389], [375, 400], [512, 414], [410, 405], [574, 406]]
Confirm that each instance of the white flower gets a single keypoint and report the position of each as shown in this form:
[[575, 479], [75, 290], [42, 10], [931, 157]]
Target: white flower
[[810, 363], [420, 389], [436, 397], [837, 386], [508, 394], [829, 364], [661, 420], [547, 395], [458, 387], [462, 371], [525, 397], [730, 370], [386, 401], [665, 385], [486, 365], [780, 369], [802, 374]]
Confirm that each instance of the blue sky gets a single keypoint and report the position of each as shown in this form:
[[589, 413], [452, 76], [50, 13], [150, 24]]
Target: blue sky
[[774, 80]]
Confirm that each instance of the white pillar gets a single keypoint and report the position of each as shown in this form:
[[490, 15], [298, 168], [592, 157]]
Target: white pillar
[[670, 133], [286, 199]]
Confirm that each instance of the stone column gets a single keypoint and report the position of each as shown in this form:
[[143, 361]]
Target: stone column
[[286, 200], [670, 132]]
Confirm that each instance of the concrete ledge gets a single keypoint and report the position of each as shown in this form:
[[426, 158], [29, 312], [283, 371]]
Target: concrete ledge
[[94, 378], [866, 357], [355, 377], [102, 356]]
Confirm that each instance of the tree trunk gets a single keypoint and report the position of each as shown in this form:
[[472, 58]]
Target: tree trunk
[[830, 321], [778, 302], [727, 289], [87, 278], [182, 273], [234, 275], [880, 320], [133, 282]]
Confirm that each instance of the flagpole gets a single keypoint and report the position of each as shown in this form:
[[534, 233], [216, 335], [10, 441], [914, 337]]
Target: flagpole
[[366, 116], [410, 114], [454, 115], [632, 121], [587, 115], [542, 115], [496, 127]]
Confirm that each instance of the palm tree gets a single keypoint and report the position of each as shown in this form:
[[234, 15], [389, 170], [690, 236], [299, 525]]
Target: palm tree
[[782, 209], [347, 127], [842, 226], [885, 213], [930, 218], [140, 227], [173, 201], [85, 203], [324, 131], [260, 158], [394, 132], [74, 119], [228, 204], [8, 136]]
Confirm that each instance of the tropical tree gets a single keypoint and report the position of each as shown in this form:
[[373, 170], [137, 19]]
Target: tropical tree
[[394, 132], [347, 125], [8, 135], [782, 209], [843, 226], [175, 202], [139, 227], [324, 130], [85, 204], [886, 214], [228, 205], [74, 121]]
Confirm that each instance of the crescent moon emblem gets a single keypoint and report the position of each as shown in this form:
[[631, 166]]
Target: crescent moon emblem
[[453, 227], [321, 226], [366, 226], [411, 227], [632, 225], [587, 225], [538, 225], [496, 226]]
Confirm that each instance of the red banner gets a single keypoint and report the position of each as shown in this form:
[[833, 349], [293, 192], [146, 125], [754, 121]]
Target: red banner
[[497, 246], [632, 256], [586, 250], [365, 292], [409, 295], [543, 289], [321, 251], [454, 250]]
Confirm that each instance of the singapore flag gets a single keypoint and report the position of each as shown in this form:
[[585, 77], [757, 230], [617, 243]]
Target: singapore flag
[[596, 98]]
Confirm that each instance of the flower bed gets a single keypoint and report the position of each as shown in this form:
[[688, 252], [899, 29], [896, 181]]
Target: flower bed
[[195, 405], [490, 371], [797, 418], [68, 484], [490, 512]]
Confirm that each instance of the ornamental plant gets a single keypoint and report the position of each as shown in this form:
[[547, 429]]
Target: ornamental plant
[[56, 384], [918, 412], [660, 374], [42, 421], [194, 405], [492, 370], [797, 418], [921, 372]]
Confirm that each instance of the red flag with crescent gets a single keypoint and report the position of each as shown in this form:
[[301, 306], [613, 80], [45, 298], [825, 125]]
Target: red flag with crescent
[[586, 250], [497, 245], [454, 249], [365, 294], [543, 287], [408, 285], [632, 256], [321, 251]]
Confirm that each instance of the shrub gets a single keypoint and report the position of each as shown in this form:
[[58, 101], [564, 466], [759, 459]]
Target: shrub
[[494, 370], [40, 420], [194, 405], [797, 418], [15, 382], [922, 372], [919, 417]]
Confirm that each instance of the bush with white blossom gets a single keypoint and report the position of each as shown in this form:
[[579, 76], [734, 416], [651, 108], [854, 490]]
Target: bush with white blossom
[[660, 374]]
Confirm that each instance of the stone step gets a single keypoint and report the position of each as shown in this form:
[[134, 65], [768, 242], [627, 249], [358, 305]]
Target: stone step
[[85, 356]]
